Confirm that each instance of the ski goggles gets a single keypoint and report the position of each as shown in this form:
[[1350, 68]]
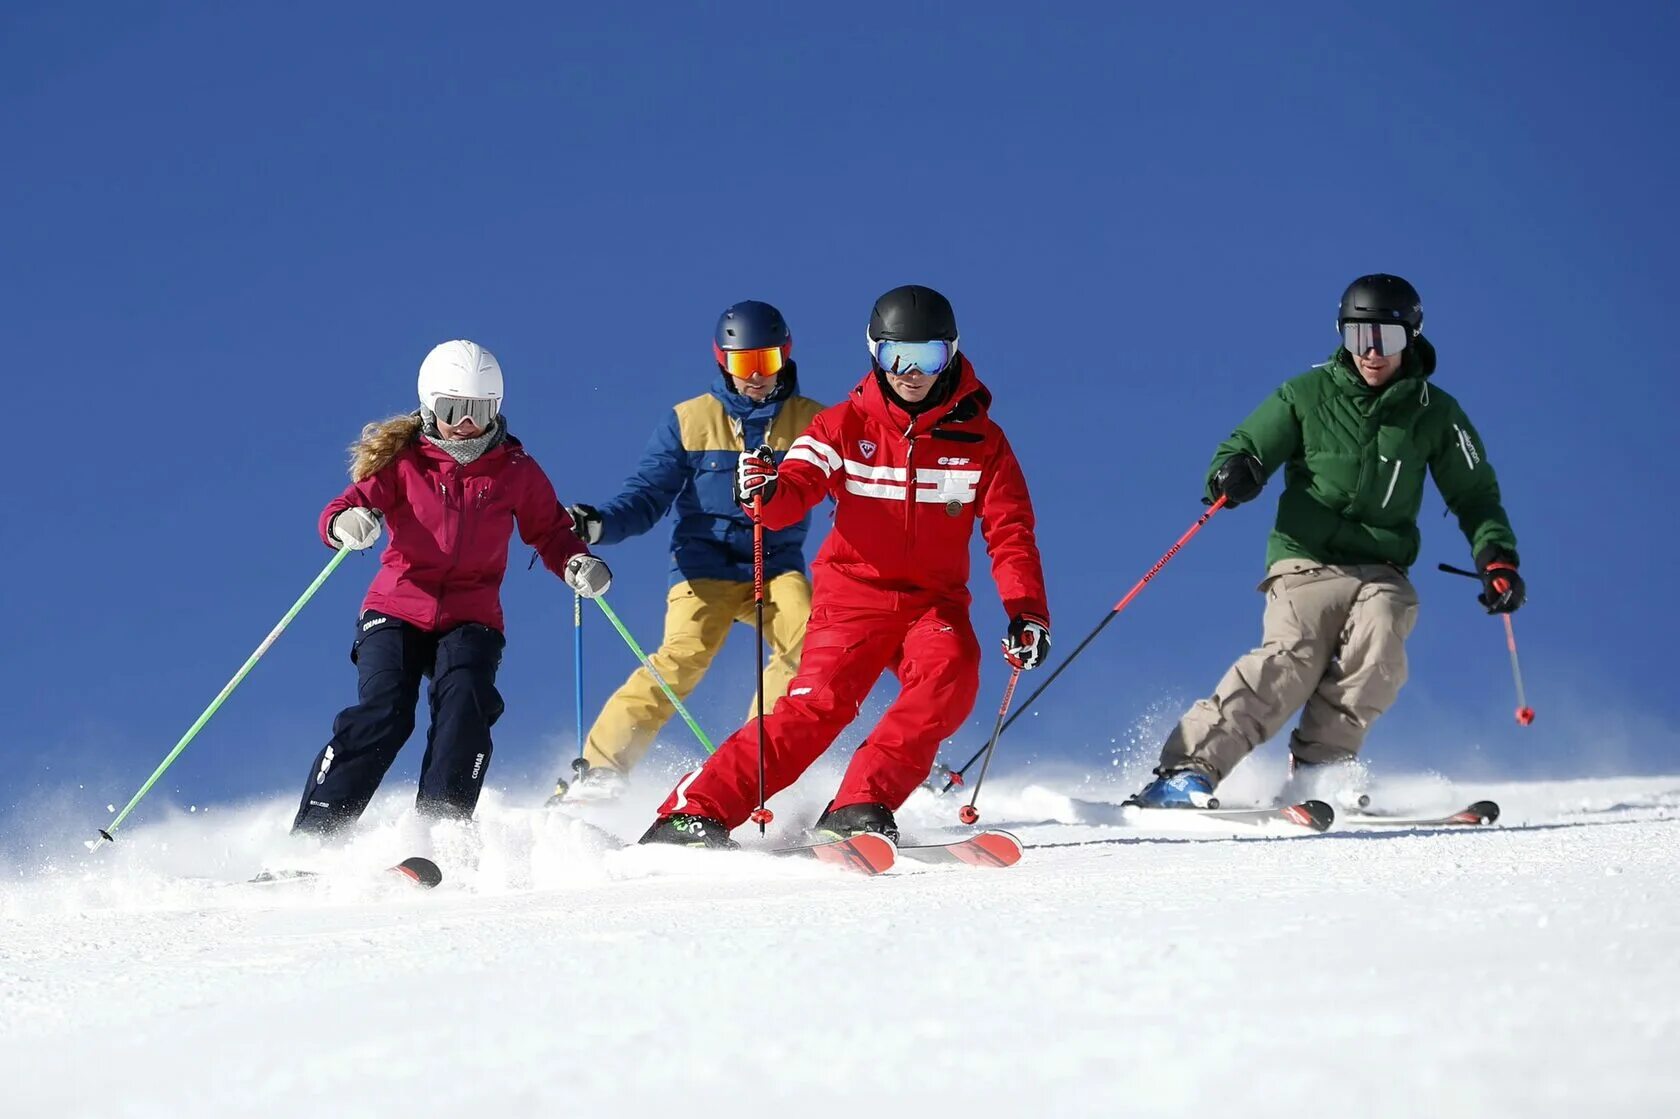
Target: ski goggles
[[903, 358], [750, 365], [454, 409], [1387, 338]]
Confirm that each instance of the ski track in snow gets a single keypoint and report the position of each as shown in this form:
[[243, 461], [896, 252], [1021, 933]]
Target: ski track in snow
[[1526, 970]]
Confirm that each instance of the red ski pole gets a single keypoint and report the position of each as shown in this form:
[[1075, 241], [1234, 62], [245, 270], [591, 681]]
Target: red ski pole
[[955, 776], [1525, 713], [761, 815], [970, 814]]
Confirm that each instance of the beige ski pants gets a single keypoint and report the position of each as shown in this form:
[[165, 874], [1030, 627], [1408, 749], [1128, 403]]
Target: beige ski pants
[[1334, 641], [698, 616]]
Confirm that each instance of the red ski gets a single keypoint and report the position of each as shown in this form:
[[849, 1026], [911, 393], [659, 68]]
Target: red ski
[[865, 853], [1479, 814], [986, 848]]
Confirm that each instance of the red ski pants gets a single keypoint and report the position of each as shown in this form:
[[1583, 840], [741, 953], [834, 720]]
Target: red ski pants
[[929, 646]]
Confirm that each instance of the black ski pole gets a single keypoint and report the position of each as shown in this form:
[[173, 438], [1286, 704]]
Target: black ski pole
[[761, 815], [969, 814], [955, 776]]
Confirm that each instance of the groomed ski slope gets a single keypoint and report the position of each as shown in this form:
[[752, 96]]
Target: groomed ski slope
[[1528, 970]]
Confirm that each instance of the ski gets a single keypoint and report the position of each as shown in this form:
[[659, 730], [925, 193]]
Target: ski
[[417, 871], [865, 853], [1314, 815], [1479, 814], [986, 848]]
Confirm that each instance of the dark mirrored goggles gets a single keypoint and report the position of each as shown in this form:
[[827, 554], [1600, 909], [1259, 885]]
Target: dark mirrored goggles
[[453, 409], [1386, 338]]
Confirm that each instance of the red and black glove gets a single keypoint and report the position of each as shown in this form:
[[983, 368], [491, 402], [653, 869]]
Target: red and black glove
[[1239, 478], [755, 475], [1028, 642], [1502, 588]]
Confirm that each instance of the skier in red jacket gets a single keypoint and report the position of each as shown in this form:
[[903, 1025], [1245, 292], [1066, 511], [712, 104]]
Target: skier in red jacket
[[911, 459], [449, 481]]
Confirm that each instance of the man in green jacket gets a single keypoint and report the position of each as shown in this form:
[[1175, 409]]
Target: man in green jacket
[[1355, 437]]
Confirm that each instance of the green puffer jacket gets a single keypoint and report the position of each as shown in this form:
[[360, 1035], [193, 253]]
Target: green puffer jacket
[[1354, 460]]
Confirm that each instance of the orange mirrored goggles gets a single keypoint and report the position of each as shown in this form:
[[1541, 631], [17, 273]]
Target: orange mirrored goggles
[[752, 364]]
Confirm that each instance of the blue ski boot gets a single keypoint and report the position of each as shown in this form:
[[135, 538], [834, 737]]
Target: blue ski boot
[[1182, 788]]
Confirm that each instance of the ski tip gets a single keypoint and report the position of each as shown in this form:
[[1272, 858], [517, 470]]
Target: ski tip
[[1314, 814], [424, 872], [1482, 812], [998, 848]]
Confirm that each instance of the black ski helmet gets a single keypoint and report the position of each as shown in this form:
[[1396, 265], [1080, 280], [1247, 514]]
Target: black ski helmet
[[751, 325], [912, 313], [1380, 297]]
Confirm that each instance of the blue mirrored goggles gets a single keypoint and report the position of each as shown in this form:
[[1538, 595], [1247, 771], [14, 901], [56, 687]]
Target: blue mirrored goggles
[[453, 409], [926, 358], [1386, 338]]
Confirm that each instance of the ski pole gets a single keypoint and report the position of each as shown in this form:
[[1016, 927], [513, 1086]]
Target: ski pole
[[579, 766], [761, 815], [106, 833], [1525, 713], [955, 776], [969, 814], [670, 694]]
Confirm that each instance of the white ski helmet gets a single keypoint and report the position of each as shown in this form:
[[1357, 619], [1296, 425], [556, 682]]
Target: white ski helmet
[[463, 369]]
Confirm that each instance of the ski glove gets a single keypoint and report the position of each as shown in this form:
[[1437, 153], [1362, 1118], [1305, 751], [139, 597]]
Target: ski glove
[[1028, 642], [755, 475], [588, 576], [586, 522], [355, 528], [1502, 588], [1238, 479]]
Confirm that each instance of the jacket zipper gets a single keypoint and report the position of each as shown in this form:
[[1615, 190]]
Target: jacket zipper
[[1392, 478], [909, 495]]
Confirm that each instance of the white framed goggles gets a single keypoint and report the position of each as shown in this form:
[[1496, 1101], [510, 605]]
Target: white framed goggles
[[926, 358], [1386, 338], [453, 409]]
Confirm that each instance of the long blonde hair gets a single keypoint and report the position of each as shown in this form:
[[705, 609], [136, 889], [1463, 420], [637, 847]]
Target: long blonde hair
[[380, 444]]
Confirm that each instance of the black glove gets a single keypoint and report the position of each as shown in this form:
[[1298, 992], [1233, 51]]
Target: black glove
[[755, 475], [1028, 642], [586, 522], [1238, 479], [1502, 588]]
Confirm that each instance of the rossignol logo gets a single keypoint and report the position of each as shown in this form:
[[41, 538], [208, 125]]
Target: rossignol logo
[[371, 622], [867, 448]]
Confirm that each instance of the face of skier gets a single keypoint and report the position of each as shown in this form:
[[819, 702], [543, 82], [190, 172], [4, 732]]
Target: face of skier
[[912, 387], [1376, 369], [755, 389]]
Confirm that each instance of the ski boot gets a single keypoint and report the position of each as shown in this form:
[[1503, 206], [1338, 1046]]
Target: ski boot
[[855, 819], [683, 830], [1181, 788], [1343, 784], [597, 784]]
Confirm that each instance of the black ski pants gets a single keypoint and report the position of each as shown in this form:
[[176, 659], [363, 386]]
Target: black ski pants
[[391, 658]]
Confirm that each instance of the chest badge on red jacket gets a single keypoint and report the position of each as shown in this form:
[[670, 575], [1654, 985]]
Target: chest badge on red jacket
[[866, 448]]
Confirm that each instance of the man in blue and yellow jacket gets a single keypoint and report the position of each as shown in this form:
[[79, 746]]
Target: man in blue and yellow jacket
[[690, 464]]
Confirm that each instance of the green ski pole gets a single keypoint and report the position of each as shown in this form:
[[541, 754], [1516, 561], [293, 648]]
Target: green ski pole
[[654, 672], [105, 833]]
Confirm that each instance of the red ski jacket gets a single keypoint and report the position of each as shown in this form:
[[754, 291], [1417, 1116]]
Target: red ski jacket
[[450, 526], [907, 491]]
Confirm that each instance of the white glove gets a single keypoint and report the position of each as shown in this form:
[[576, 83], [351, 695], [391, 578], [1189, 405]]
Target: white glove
[[356, 528], [588, 576]]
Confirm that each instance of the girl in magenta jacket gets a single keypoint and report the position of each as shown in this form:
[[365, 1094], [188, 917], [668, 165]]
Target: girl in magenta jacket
[[450, 483]]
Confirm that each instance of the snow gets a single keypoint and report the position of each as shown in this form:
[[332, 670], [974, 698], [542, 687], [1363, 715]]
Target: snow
[[1524, 970]]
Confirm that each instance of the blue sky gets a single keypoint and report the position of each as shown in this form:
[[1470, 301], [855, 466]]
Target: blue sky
[[232, 231]]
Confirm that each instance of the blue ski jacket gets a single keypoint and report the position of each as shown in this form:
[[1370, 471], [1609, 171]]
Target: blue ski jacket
[[689, 464]]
